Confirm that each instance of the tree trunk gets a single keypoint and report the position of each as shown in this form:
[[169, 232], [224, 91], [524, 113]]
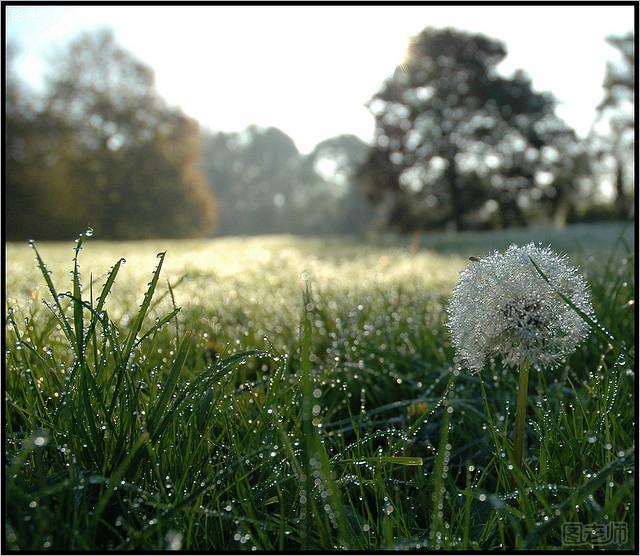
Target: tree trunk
[[623, 207], [561, 212], [454, 193]]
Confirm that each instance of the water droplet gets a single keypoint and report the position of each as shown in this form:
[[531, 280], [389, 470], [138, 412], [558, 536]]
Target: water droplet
[[40, 441]]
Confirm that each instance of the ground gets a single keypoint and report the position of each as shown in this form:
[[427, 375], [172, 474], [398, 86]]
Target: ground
[[305, 396]]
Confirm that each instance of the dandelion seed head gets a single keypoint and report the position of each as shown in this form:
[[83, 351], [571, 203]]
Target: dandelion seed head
[[502, 306]]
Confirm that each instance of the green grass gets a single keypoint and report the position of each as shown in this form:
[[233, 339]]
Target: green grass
[[280, 393]]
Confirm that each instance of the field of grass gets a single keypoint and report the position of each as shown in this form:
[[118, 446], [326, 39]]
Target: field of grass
[[304, 397]]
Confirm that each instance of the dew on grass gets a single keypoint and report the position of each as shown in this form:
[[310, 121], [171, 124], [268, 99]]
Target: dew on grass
[[40, 441]]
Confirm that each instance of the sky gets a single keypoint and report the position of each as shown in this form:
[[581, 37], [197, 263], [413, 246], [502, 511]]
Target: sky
[[309, 70]]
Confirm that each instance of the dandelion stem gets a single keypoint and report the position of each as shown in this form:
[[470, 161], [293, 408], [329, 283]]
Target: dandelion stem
[[521, 412]]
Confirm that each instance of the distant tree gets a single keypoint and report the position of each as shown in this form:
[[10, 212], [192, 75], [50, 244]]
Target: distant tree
[[219, 165], [20, 193], [38, 148], [334, 163], [111, 153], [265, 185], [615, 147], [620, 78], [254, 176], [457, 144]]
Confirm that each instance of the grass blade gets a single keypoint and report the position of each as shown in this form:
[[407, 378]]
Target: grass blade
[[169, 386], [595, 326], [148, 296], [64, 321], [397, 460], [77, 302]]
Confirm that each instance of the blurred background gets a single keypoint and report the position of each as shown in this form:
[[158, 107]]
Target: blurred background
[[202, 121]]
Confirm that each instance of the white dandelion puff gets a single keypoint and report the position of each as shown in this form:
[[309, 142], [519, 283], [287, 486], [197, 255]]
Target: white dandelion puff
[[502, 306]]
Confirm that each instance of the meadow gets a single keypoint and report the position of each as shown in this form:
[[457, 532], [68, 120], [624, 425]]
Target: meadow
[[282, 393]]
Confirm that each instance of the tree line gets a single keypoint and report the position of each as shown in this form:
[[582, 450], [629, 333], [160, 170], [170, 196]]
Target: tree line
[[456, 146], [267, 186]]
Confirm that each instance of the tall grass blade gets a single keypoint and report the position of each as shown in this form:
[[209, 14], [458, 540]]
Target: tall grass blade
[[137, 323], [168, 387], [595, 326], [78, 324], [436, 527], [64, 321]]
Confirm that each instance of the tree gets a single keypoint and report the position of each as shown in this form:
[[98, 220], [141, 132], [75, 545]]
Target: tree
[[110, 152], [264, 185], [333, 164], [616, 146], [18, 134], [38, 148], [254, 175], [455, 143]]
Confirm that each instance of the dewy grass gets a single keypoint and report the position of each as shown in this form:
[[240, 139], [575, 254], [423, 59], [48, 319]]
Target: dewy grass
[[521, 413], [124, 431]]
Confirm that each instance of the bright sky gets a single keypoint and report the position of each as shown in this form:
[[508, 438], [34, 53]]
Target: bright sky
[[309, 70]]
